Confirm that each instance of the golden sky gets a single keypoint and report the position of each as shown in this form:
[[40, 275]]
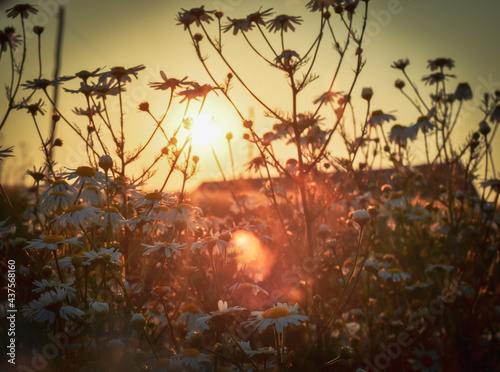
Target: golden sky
[[127, 33]]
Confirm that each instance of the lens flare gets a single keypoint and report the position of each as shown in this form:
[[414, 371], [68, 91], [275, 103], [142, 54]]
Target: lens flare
[[252, 254], [204, 130]]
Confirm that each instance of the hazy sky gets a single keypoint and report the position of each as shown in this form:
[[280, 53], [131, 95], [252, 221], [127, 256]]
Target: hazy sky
[[107, 33]]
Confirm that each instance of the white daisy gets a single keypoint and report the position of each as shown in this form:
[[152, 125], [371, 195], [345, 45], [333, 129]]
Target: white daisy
[[58, 186], [112, 216], [418, 285], [143, 199], [53, 242], [395, 274], [223, 310], [169, 248], [209, 243], [191, 314], [4, 227], [49, 306], [281, 315], [397, 200], [193, 359], [56, 200], [92, 195], [76, 215], [103, 256], [84, 174], [378, 118], [433, 267], [418, 213], [183, 216], [45, 285], [136, 221]]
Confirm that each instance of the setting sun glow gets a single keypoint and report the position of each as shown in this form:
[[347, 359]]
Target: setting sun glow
[[204, 130], [252, 254]]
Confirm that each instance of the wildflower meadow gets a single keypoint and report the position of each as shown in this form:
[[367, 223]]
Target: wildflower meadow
[[334, 248]]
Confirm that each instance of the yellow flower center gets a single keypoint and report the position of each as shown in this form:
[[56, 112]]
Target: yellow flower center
[[58, 193], [154, 196], [418, 212], [396, 195], [184, 206], [276, 312], [395, 270], [59, 182], [92, 188], [51, 239], [192, 308], [377, 113], [110, 209], [74, 208], [191, 353], [422, 118], [162, 208], [85, 171]]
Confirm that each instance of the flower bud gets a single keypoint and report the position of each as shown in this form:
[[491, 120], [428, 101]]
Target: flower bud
[[361, 217], [400, 84], [367, 93], [229, 136], [38, 29], [58, 142], [484, 128], [138, 321], [106, 162], [99, 309], [144, 106]]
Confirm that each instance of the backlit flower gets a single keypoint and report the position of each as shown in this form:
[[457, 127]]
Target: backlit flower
[[49, 306], [194, 15], [121, 74], [401, 64], [463, 92], [44, 285], [84, 174], [76, 215], [154, 199], [111, 216], [169, 83], [190, 315], [378, 118], [394, 274], [52, 242], [23, 10], [168, 248], [423, 124], [258, 17], [400, 134], [436, 78], [440, 63], [92, 195], [9, 38], [104, 256], [237, 24], [283, 22], [281, 315], [208, 244], [320, 5], [192, 360]]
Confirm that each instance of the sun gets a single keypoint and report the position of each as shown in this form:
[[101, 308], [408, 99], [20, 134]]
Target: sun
[[204, 130]]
